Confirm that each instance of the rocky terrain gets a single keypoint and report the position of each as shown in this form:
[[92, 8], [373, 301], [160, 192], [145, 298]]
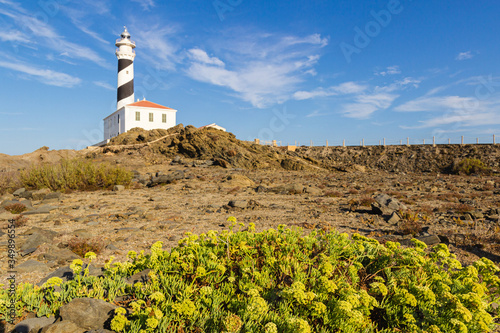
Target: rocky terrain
[[189, 180]]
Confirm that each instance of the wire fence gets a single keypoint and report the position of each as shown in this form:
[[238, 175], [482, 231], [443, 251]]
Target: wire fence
[[461, 140]]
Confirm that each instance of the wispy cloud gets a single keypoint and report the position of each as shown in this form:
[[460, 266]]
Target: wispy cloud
[[366, 104], [391, 70], [341, 89], [454, 110], [104, 85], [145, 4], [464, 55], [157, 44], [202, 57], [436, 103], [262, 69], [13, 36], [44, 34], [46, 76]]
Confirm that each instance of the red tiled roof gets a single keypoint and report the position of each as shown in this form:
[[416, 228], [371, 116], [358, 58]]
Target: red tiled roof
[[148, 104]]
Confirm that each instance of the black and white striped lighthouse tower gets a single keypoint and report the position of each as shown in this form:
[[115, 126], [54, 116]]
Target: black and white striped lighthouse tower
[[125, 54]]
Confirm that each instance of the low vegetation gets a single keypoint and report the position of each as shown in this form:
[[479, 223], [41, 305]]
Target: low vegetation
[[75, 174], [282, 281], [81, 246], [16, 208], [469, 166]]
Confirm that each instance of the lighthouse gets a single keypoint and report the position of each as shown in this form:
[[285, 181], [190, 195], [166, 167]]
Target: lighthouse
[[125, 54], [130, 114]]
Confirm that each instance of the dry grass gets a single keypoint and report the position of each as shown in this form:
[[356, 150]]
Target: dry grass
[[75, 175], [9, 181]]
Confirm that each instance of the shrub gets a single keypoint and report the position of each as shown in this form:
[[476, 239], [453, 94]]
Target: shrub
[[81, 246], [16, 208], [366, 201], [9, 181], [333, 194], [471, 166], [20, 221], [75, 175], [410, 224], [283, 281]]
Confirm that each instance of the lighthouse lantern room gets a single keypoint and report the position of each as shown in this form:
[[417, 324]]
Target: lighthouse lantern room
[[144, 114]]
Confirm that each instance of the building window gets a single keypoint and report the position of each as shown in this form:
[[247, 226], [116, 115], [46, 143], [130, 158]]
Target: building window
[[151, 116], [137, 116], [163, 118]]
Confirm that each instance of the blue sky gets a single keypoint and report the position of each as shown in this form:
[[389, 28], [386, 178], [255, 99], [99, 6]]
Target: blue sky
[[293, 71]]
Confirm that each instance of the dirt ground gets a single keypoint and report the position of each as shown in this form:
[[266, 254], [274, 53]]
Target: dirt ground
[[461, 210]]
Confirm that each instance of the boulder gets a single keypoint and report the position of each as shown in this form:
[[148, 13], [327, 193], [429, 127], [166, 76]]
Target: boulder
[[19, 191], [239, 180], [88, 313], [142, 277], [118, 188], [32, 266], [294, 188], [63, 327], [386, 205], [35, 240], [167, 179], [33, 324], [56, 254], [238, 204]]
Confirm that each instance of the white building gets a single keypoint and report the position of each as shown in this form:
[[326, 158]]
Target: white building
[[143, 114]]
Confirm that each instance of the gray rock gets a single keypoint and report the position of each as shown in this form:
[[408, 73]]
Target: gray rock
[[429, 240], [39, 194], [31, 266], [53, 195], [139, 277], [19, 191], [33, 324], [313, 191], [386, 205], [35, 240], [66, 274], [294, 188], [44, 209], [118, 188], [101, 330], [58, 255], [63, 327], [5, 216], [87, 313], [394, 219], [238, 204], [167, 179], [82, 233]]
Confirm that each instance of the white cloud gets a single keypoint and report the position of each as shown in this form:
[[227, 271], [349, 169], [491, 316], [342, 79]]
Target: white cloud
[[262, 69], [46, 76], [157, 45], [391, 70], [358, 110], [464, 55], [366, 104], [13, 36], [47, 36], [437, 103], [145, 4], [202, 56], [104, 85], [341, 89]]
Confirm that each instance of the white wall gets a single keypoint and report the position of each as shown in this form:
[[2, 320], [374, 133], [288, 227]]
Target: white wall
[[127, 120], [114, 124], [144, 120]]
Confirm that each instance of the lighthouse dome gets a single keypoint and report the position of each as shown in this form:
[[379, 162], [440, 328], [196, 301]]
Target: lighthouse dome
[[125, 34]]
